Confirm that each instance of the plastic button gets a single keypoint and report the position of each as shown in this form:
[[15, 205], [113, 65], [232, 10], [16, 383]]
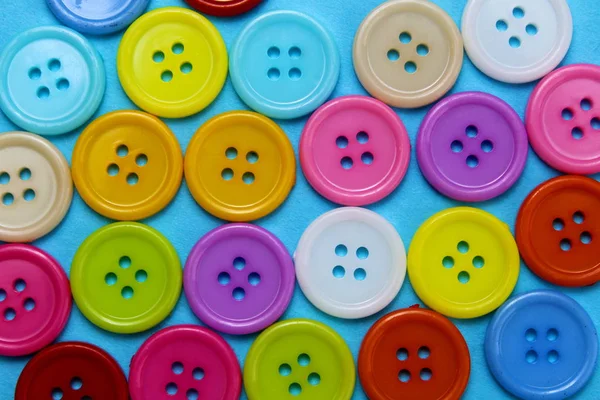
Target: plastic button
[[350, 263], [35, 299], [354, 150], [185, 361], [72, 370], [463, 262], [563, 119], [299, 356], [35, 187], [97, 17], [172, 62], [414, 354], [408, 53], [239, 279], [240, 166], [127, 165], [558, 231], [284, 64], [541, 345], [472, 146], [52, 80], [223, 8], [517, 42], [126, 277]]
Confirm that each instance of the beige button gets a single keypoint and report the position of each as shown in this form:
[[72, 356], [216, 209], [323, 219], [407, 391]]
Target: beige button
[[408, 53], [35, 187]]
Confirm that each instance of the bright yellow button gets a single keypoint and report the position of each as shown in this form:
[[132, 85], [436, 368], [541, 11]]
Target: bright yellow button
[[172, 62], [463, 262], [127, 165], [240, 166]]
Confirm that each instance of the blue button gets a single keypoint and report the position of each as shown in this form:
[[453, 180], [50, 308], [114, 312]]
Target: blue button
[[97, 17], [541, 345], [284, 64], [51, 80]]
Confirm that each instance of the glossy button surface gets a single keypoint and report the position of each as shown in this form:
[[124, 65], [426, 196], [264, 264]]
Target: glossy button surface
[[472, 146], [240, 166], [126, 277], [354, 150], [463, 262], [284, 64], [541, 345], [350, 262], [172, 62], [185, 362], [408, 53], [223, 8], [299, 357], [558, 231], [35, 187], [414, 354], [51, 80], [127, 165]]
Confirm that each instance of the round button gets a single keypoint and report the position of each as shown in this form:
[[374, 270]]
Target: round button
[[223, 8], [127, 165], [284, 64], [354, 150], [35, 187], [472, 146], [414, 354], [126, 277], [97, 18], [51, 80], [72, 370], [240, 166], [563, 119], [517, 43], [541, 344], [239, 279], [408, 53], [186, 361], [172, 62], [463, 262], [299, 356], [350, 263], [35, 299], [558, 231]]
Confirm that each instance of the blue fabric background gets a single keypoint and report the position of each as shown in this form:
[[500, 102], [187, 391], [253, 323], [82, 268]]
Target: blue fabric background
[[184, 222]]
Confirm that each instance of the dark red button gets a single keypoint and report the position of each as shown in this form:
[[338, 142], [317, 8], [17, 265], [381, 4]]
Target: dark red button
[[223, 8]]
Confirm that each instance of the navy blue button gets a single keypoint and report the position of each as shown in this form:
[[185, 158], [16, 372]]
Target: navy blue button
[[541, 345]]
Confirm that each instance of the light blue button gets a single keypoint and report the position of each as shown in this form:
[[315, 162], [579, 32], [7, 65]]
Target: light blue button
[[284, 64], [541, 345], [51, 80]]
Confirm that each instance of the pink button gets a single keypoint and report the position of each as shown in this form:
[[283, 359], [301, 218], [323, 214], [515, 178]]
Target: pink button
[[35, 299], [563, 119], [186, 362], [354, 150]]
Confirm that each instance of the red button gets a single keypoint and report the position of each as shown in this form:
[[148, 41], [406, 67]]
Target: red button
[[414, 354], [72, 370], [224, 8]]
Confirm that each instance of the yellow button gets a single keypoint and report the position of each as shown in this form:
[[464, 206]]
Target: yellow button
[[172, 62], [463, 262], [240, 166], [127, 165]]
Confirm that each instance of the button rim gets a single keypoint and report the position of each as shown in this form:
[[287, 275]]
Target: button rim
[[227, 9]]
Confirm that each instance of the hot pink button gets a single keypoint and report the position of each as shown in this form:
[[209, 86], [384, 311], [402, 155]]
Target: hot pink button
[[186, 362], [563, 119], [35, 299], [354, 150]]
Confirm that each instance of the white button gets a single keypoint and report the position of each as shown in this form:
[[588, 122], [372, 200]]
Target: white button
[[350, 262], [517, 41], [35, 187]]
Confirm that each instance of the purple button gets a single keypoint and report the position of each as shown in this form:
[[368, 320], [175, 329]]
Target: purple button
[[239, 279], [472, 146]]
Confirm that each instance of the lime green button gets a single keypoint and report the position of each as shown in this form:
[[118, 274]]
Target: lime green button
[[302, 359], [126, 277]]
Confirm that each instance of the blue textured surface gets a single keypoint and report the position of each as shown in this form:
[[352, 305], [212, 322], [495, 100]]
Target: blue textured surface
[[183, 222]]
